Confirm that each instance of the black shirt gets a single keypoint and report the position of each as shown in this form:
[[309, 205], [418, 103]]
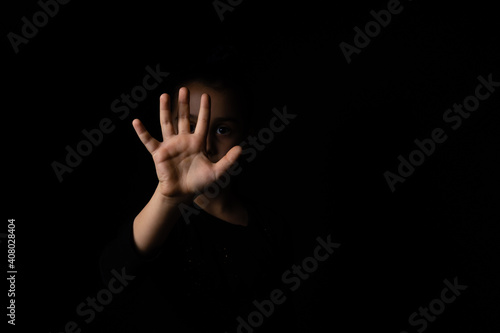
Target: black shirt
[[210, 276]]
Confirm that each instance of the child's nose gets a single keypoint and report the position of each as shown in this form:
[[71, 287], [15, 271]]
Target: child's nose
[[211, 148]]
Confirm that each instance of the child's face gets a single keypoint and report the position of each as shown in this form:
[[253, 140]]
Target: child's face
[[226, 128]]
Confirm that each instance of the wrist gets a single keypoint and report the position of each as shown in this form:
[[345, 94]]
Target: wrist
[[171, 201]]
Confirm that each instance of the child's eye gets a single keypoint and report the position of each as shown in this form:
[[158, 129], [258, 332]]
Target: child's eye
[[223, 130], [192, 127]]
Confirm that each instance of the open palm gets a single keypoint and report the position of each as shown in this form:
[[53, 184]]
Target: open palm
[[180, 159]]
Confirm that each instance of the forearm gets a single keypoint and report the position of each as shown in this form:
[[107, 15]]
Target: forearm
[[154, 223]]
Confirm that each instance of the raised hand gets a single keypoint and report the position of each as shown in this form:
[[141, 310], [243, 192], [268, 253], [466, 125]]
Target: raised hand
[[180, 159]]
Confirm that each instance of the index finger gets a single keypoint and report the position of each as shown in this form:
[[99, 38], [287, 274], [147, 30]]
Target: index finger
[[167, 128], [203, 116]]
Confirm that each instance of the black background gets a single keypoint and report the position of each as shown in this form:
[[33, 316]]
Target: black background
[[324, 173]]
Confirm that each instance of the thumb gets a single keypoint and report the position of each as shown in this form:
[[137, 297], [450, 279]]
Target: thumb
[[227, 161]]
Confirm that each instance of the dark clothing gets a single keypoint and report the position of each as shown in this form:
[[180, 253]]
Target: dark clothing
[[208, 273]]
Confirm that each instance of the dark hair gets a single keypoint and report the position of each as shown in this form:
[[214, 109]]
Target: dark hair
[[223, 70]]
